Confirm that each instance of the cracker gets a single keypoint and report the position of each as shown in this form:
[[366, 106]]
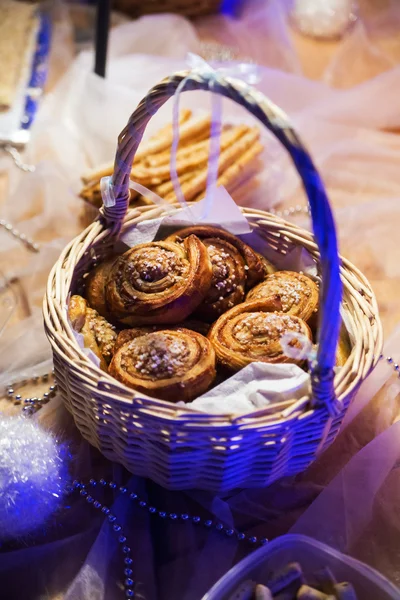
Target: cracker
[[236, 152]]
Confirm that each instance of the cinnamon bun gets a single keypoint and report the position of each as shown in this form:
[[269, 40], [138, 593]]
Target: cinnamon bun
[[126, 335], [172, 364], [98, 335], [159, 282], [298, 293], [236, 267], [95, 287], [252, 332]]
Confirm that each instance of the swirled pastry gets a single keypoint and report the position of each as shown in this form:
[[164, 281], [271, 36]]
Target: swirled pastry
[[298, 293], [126, 335], [172, 364], [251, 332], [159, 282], [98, 335], [95, 287], [236, 267]]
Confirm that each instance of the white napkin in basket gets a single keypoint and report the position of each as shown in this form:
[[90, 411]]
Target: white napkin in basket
[[253, 388]]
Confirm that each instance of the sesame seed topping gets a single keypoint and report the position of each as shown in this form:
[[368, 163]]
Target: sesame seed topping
[[158, 355]]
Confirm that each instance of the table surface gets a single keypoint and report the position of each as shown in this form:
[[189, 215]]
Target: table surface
[[315, 58]]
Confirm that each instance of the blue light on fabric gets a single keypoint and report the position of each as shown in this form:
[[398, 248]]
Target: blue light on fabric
[[230, 7]]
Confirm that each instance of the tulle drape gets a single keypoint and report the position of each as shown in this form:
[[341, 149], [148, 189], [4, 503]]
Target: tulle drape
[[348, 497]]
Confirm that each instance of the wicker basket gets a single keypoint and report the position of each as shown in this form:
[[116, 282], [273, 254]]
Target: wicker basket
[[188, 8], [178, 447]]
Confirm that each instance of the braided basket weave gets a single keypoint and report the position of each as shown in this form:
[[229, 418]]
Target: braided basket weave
[[176, 446]]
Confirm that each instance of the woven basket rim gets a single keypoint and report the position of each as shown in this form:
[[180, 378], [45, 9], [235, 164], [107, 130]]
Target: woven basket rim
[[117, 392]]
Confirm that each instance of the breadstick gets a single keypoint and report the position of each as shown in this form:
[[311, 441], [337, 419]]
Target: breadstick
[[184, 116], [94, 175], [200, 149], [190, 128], [235, 171], [153, 176], [308, 593], [108, 168], [232, 174], [245, 178], [344, 591], [192, 156], [262, 593], [168, 186], [91, 193], [192, 188]]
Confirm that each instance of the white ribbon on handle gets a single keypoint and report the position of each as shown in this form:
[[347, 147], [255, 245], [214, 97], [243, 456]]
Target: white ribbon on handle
[[249, 73], [303, 349]]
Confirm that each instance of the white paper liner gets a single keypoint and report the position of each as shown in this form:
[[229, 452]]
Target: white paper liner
[[253, 388]]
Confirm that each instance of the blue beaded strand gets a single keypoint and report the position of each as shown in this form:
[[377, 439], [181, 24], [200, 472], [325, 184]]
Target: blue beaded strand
[[184, 517], [129, 583], [391, 362]]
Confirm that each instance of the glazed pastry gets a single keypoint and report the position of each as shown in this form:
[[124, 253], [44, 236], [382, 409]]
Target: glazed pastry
[[98, 335], [95, 287], [236, 267], [126, 335], [172, 364], [251, 332], [159, 282], [254, 268], [298, 293]]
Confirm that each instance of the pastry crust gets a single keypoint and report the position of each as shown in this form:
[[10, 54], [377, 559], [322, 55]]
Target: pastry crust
[[298, 293], [228, 281], [253, 265], [172, 364], [98, 335], [236, 268], [126, 335], [159, 282], [251, 332], [95, 287]]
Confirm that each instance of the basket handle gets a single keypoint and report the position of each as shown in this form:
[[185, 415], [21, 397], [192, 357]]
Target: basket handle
[[276, 121]]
